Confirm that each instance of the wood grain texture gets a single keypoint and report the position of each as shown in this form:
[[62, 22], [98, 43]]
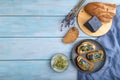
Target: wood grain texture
[[34, 70], [35, 7], [33, 27], [30, 36], [104, 28], [38, 7], [33, 48]]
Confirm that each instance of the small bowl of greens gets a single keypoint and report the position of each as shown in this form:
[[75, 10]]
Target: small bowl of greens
[[59, 62]]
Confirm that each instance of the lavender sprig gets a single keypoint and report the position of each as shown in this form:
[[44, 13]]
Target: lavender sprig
[[70, 18]]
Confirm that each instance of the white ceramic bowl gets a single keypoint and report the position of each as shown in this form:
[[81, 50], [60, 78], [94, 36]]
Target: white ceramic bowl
[[56, 57]]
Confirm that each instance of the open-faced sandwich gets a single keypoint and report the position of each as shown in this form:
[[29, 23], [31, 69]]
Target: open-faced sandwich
[[85, 47], [95, 56], [84, 64]]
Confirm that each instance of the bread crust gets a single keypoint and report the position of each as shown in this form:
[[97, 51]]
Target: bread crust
[[104, 11], [81, 66], [79, 50], [71, 35], [95, 52]]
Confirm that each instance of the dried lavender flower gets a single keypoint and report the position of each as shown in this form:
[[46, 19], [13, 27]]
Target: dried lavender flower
[[70, 18]]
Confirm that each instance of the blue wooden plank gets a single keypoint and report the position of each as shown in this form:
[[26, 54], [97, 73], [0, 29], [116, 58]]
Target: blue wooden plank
[[32, 27], [33, 48], [34, 70], [32, 7], [38, 7]]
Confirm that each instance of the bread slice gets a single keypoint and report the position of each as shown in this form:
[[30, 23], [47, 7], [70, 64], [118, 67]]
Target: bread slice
[[86, 47], [71, 35], [84, 64], [95, 56], [104, 11]]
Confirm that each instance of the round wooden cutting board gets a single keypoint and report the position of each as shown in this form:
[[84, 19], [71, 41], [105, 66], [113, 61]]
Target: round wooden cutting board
[[84, 17]]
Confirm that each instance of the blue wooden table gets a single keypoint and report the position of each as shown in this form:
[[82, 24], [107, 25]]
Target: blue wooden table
[[30, 35]]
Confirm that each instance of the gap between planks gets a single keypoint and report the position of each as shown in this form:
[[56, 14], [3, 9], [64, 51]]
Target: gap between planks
[[28, 60], [32, 15], [40, 37]]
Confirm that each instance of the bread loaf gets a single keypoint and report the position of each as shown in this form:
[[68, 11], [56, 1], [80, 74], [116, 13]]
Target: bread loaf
[[104, 11]]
